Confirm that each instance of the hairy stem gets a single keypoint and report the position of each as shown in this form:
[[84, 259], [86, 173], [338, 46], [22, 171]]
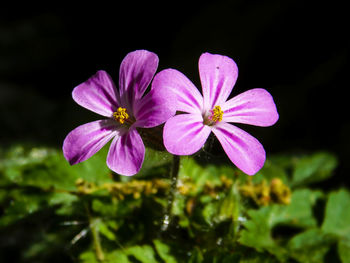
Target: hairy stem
[[173, 189]]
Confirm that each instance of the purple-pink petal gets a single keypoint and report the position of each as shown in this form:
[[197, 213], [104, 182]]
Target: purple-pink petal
[[244, 150], [188, 98], [255, 107], [97, 94], [87, 139], [218, 75], [135, 74], [185, 134], [126, 153], [155, 108]]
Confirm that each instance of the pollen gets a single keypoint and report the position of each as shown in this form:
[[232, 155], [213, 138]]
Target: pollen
[[121, 115], [216, 114]]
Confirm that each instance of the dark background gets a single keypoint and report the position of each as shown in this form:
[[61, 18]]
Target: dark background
[[297, 50]]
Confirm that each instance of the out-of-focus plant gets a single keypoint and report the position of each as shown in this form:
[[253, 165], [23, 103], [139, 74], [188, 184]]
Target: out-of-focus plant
[[53, 212]]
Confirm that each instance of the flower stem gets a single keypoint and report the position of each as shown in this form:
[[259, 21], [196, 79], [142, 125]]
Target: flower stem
[[173, 189], [97, 242], [93, 223]]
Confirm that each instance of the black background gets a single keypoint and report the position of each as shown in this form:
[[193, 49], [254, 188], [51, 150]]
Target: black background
[[297, 50]]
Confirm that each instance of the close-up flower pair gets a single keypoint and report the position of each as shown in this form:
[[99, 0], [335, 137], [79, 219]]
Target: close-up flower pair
[[171, 92]]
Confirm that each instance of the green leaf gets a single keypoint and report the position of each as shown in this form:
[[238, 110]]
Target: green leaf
[[196, 256], [254, 257], [225, 208], [163, 251], [344, 250], [337, 217], [94, 170], [105, 208], [47, 168], [209, 211], [310, 246], [257, 233], [117, 256], [299, 212], [144, 253], [105, 231], [229, 207], [88, 257], [64, 201], [314, 168], [178, 209], [337, 221], [258, 229]]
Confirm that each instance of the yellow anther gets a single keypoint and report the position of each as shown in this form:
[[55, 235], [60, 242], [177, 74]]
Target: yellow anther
[[216, 114], [120, 115]]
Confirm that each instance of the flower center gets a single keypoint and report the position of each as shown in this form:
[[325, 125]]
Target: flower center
[[216, 114], [121, 115], [214, 117]]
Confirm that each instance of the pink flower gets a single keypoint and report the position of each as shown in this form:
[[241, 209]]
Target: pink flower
[[185, 134], [125, 111]]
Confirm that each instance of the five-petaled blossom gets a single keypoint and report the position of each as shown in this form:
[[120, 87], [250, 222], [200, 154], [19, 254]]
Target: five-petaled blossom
[[185, 134], [125, 111]]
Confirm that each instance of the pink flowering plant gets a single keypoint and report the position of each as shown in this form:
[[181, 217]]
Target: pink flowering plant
[[185, 134], [125, 111], [155, 199]]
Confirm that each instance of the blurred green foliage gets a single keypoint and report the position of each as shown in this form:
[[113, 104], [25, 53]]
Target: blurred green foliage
[[53, 212]]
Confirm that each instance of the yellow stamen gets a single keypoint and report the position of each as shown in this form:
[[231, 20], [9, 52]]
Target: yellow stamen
[[121, 115], [217, 114]]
